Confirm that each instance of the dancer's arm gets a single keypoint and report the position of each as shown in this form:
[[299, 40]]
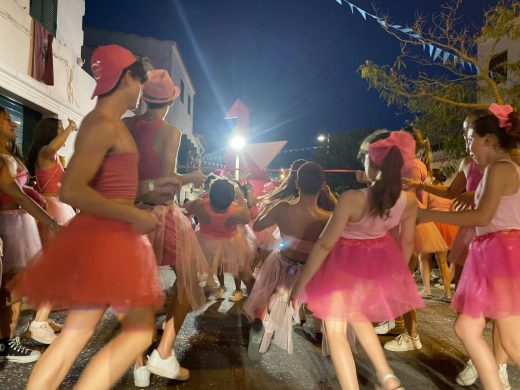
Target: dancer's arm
[[496, 181], [407, 226], [268, 217], [47, 152], [350, 203]]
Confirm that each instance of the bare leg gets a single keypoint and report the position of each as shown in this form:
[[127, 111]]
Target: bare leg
[[498, 350], [238, 283], [509, 337], [341, 354], [115, 358], [445, 272], [42, 314], [469, 331], [410, 323], [51, 368], [220, 277], [15, 316], [425, 267]]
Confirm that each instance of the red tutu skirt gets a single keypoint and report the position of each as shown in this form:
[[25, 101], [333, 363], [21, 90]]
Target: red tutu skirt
[[428, 239], [363, 280], [459, 249], [92, 262], [490, 282], [448, 232]]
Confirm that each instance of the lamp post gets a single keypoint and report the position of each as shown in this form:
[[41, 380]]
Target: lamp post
[[237, 143], [324, 138]]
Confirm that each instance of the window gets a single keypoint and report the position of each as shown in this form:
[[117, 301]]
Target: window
[[498, 67], [182, 91], [189, 105], [46, 12]]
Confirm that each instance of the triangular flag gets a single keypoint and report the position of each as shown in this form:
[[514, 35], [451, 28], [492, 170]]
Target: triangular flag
[[406, 30], [437, 53], [362, 12], [445, 57], [430, 47], [381, 22], [478, 69], [339, 2], [351, 6], [396, 26]]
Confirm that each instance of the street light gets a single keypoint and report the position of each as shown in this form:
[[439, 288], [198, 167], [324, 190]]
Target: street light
[[324, 138], [237, 142]]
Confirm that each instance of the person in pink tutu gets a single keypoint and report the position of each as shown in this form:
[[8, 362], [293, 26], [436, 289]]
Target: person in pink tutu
[[21, 241], [357, 271], [490, 283], [44, 164], [300, 222], [221, 236], [102, 257], [174, 240]]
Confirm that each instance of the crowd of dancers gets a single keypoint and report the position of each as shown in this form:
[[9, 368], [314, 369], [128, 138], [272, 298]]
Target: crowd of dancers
[[108, 233]]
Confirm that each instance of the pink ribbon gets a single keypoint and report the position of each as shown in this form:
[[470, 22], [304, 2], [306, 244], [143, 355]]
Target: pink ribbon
[[398, 139], [502, 111]]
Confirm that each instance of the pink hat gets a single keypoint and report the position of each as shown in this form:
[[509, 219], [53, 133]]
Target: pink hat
[[401, 140], [107, 64], [160, 88]]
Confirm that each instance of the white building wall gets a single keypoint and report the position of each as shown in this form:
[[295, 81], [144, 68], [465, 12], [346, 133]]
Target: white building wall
[[69, 97]]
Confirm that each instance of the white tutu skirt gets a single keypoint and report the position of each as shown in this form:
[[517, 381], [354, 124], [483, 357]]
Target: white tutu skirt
[[271, 294], [19, 233], [428, 239], [229, 254], [58, 210], [269, 239]]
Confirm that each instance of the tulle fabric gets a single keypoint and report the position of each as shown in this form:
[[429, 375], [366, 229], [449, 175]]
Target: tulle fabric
[[490, 282], [268, 239], [175, 244], [58, 210], [362, 280], [271, 293], [428, 239], [93, 262], [459, 249], [448, 233], [228, 254], [19, 233]]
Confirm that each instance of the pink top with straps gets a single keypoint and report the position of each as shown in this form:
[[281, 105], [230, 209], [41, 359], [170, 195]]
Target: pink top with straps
[[217, 227], [144, 135], [117, 176], [474, 177], [49, 180], [370, 227], [21, 176], [507, 216]]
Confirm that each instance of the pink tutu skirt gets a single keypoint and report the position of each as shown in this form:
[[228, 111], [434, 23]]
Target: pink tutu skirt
[[271, 294], [459, 249], [363, 281], [19, 233], [490, 282], [428, 239], [58, 210], [92, 262], [268, 239], [175, 244], [228, 254]]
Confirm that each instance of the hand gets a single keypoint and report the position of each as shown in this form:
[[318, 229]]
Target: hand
[[197, 178], [464, 201], [144, 221], [72, 124], [326, 189], [361, 177]]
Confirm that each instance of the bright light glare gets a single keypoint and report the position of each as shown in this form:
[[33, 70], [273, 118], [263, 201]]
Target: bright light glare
[[237, 142], [321, 138]]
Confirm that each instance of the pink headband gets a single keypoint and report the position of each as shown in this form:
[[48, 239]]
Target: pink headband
[[502, 111], [401, 140]]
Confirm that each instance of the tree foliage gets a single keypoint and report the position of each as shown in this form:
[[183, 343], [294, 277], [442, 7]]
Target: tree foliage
[[441, 93]]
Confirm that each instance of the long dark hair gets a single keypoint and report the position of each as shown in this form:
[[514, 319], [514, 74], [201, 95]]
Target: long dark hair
[[287, 189], [487, 123], [44, 132], [385, 191], [13, 147]]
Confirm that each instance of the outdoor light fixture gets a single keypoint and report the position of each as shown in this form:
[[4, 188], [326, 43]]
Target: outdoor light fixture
[[237, 143], [321, 138]]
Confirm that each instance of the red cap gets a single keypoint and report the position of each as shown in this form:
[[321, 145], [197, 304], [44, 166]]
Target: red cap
[[107, 65], [159, 87]]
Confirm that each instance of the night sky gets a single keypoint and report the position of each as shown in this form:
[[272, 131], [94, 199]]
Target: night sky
[[293, 62]]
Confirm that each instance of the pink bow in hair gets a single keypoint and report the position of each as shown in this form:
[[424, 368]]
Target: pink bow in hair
[[502, 111], [401, 140]]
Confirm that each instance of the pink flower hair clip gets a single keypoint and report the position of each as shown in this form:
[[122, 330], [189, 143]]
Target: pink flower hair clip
[[502, 111]]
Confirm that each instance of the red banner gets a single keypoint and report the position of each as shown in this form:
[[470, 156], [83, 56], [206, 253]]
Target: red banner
[[43, 68]]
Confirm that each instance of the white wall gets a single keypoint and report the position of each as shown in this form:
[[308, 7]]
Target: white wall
[[70, 95]]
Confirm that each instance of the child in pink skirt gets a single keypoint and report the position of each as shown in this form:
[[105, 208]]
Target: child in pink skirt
[[490, 282], [301, 222], [357, 273]]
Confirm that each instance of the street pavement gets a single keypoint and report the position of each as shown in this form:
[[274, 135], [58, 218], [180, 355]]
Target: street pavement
[[213, 346]]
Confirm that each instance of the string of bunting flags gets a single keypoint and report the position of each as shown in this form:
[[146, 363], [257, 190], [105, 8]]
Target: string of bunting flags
[[434, 52]]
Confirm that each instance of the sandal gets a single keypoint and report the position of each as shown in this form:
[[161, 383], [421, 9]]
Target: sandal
[[386, 378]]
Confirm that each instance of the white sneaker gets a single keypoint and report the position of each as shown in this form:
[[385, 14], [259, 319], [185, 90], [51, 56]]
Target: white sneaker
[[504, 379], [42, 332], [404, 342], [237, 296], [384, 327], [167, 368], [141, 376], [468, 375]]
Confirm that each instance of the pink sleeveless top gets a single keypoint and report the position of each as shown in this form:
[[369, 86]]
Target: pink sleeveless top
[[49, 180], [217, 227], [144, 135], [370, 227], [507, 216], [117, 176], [20, 176], [474, 177], [417, 171]]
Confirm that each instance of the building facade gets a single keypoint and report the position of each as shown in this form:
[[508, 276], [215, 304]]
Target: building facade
[[67, 93]]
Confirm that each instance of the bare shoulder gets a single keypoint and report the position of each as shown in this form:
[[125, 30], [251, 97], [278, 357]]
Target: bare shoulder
[[503, 169], [167, 130], [356, 197], [96, 123]]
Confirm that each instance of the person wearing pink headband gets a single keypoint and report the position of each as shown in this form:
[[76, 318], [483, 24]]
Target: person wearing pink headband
[[356, 273]]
